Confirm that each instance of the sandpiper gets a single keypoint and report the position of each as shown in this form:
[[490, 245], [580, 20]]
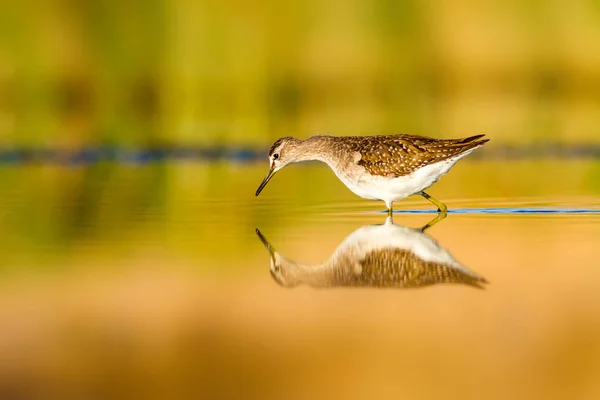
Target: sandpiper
[[383, 256], [386, 167]]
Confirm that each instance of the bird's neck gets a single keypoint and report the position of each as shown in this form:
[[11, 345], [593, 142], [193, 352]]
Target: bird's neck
[[317, 148], [318, 275]]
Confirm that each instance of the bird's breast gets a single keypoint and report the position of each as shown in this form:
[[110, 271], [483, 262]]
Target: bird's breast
[[357, 180]]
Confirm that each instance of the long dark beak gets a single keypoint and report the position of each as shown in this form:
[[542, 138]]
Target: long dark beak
[[266, 243], [265, 181]]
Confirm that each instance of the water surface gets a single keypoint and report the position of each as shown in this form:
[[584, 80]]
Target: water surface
[[152, 279]]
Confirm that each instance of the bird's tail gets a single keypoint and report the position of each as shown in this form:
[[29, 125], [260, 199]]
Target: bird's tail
[[469, 143], [473, 140]]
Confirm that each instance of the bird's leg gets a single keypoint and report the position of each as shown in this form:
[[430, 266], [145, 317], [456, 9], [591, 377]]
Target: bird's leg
[[441, 206], [434, 221], [389, 205]]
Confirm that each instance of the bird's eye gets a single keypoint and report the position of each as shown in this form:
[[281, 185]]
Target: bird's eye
[[276, 156]]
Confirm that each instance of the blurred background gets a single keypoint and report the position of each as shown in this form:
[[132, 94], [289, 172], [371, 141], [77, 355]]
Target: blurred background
[[133, 135], [149, 73]]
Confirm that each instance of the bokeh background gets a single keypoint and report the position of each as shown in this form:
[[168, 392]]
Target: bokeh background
[[133, 135], [142, 73]]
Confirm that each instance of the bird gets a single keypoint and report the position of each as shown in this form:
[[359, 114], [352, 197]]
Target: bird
[[383, 167], [381, 256]]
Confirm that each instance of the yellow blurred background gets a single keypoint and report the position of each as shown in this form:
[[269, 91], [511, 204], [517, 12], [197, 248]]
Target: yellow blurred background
[[127, 277], [139, 73]]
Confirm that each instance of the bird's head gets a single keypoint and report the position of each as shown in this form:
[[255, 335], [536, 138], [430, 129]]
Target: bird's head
[[284, 151], [282, 270]]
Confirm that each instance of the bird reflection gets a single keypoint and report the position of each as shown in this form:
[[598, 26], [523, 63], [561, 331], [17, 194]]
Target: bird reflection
[[382, 256]]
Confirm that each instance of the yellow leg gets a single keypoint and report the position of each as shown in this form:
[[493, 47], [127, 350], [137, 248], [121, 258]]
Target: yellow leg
[[441, 206], [389, 205], [434, 221]]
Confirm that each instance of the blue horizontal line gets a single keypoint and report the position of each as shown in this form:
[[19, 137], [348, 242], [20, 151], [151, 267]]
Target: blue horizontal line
[[92, 155], [116, 154], [506, 210]]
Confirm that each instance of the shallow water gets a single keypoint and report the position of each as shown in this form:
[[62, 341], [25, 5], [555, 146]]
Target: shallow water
[[152, 280]]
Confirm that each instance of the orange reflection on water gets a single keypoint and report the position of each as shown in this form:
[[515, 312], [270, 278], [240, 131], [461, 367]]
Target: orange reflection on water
[[156, 327]]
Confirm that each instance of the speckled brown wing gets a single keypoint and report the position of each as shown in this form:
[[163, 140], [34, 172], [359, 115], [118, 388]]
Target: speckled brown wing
[[398, 155], [393, 267]]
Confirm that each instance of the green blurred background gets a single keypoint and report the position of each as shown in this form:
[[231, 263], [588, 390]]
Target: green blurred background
[[129, 279], [139, 73]]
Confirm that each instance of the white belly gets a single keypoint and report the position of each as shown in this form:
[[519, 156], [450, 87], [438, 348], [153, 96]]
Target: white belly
[[375, 237], [392, 189]]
